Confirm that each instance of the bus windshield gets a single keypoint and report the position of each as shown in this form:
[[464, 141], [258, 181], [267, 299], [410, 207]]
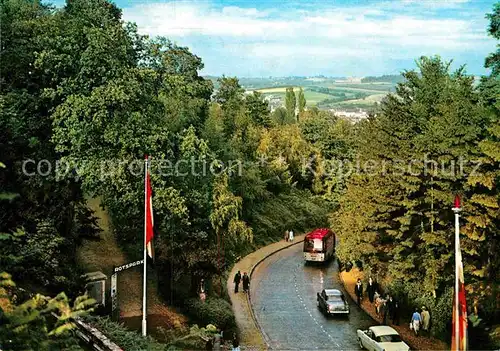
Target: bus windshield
[[313, 245]]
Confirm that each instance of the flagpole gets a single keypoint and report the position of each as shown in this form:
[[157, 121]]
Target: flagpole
[[144, 325], [457, 209]]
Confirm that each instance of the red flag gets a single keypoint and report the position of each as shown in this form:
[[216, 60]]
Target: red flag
[[149, 215], [462, 312]]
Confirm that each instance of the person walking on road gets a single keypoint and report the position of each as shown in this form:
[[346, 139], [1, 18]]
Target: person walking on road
[[246, 282], [237, 279], [416, 319], [358, 290], [371, 288], [291, 235], [426, 320], [287, 235]]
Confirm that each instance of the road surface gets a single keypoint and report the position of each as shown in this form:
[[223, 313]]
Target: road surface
[[283, 292]]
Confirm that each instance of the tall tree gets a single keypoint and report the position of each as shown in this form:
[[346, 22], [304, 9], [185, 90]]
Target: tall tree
[[484, 222], [290, 104], [302, 101], [230, 98], [430, 124], [54, 224], [258, 109]]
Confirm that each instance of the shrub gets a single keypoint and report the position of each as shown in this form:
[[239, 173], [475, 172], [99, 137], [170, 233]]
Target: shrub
[[410, 297], [126, 339], [215, 311], [441, 314]]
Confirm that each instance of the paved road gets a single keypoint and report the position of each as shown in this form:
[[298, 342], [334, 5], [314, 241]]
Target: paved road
[[283, 292]]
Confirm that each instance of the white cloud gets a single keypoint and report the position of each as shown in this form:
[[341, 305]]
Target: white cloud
[[353, 32]]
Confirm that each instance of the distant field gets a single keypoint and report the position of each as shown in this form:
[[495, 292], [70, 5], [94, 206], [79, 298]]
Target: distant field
[[360, 103], [326, 93], [275, 90], [312, 97], [369, 87]]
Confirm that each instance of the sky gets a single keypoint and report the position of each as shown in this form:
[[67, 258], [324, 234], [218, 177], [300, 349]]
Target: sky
[[248, 38]]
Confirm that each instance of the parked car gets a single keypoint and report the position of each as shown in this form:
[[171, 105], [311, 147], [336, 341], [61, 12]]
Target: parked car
[[381, 338], [332, 301]]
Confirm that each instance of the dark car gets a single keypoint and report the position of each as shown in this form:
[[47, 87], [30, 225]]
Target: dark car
[[332, 302]]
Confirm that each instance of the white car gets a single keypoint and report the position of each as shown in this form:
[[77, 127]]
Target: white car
[[381, 338]]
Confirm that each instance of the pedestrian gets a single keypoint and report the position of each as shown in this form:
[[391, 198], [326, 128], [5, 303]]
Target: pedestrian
[[237, 279], [378, 302], [203, 295], [387, 309], [390, 308], [246, 282], [287, 235], [426, 320], [291, 235], [416, 319], [236, 343], [371, 288], [358, 290], [395, 312], [383, 310]]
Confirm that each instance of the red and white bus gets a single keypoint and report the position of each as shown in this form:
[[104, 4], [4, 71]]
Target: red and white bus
[[319, 245]]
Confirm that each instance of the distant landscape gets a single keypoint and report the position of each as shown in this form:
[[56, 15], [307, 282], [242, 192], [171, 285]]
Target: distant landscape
[[325, 92]]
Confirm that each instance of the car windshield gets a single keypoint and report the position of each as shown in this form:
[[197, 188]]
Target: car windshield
[[389, 338], [334, 298]]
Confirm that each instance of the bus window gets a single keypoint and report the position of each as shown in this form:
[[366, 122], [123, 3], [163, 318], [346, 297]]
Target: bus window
[[318, 245], [313, 245]]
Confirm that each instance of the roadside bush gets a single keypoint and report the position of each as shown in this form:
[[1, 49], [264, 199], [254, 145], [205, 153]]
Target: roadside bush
[[215, 311], [410, 297], [441, 315], [195, 340], [126, 339]]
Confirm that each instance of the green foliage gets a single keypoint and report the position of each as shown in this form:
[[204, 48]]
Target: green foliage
[[280, 117], [195, 340], [40, 322], [258, 109], [47, 208], [126, 339], [290, 104], [214, 311], [407, 217], [302, 100], [385, 78]]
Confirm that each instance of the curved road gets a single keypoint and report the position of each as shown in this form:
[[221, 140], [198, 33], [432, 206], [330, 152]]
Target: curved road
[[283, 292]]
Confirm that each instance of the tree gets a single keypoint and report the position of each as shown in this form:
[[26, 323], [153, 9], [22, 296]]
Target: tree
[[258, 109], [290, 104], [225, 219], [230, 97], [490, 85], [432, 122], [30, 324], [302, 101], [279, 116], [47, 208], [484, 195]]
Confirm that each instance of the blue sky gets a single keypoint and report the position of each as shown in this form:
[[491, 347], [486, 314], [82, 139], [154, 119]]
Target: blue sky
[[327, 37]]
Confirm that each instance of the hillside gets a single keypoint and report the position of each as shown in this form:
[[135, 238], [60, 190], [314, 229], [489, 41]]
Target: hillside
[[102, 256]]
